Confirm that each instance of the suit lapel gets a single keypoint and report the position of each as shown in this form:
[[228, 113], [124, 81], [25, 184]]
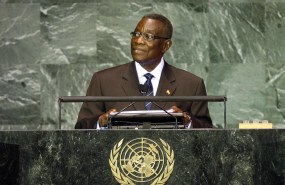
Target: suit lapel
[[167, 84], [130, 84], [166, 87]]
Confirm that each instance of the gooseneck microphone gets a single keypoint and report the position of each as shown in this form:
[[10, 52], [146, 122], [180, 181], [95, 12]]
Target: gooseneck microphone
[[142, 89]]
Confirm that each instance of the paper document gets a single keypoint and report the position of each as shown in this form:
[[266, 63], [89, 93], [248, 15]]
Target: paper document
[[157, 117], [145, 112]]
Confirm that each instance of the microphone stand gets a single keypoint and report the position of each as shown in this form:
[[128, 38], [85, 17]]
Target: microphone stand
[[176, 122], [110, 119], [143, 90]]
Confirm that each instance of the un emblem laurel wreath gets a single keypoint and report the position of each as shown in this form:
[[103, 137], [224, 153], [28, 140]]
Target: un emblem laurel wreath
[[122, 179]]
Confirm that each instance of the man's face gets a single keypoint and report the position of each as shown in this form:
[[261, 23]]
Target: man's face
[[148, 52]]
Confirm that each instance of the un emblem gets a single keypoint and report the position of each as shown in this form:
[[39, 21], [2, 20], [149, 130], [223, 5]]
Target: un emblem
[[141, 160]]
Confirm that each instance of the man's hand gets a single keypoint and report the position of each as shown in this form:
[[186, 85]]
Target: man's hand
[[103, 119], [186, 117]]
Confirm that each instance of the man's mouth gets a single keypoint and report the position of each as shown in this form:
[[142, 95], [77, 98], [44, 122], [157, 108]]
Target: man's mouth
[[138, 50]]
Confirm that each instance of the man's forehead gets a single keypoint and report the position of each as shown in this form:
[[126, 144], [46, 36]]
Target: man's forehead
[[148, 24]]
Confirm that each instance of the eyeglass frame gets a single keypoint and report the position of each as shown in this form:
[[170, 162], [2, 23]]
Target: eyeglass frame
[[144, 36]]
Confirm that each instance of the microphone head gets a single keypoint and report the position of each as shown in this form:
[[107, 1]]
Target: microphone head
[[143, 88]]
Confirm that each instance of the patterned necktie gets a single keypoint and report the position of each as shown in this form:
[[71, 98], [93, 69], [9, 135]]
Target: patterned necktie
[[149, 90]]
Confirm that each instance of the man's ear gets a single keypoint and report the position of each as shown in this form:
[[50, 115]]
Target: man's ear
[[167, 45]]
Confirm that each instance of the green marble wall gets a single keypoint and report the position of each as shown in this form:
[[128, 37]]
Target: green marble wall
[[50, 48]]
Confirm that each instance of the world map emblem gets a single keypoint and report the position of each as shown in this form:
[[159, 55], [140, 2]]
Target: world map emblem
[[141, 160]]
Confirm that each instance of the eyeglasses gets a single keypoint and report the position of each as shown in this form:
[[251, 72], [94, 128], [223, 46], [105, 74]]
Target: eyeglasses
[[146, 36]]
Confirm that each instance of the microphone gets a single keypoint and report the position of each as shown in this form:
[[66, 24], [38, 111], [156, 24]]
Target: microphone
[[176, 122], [143, 90]]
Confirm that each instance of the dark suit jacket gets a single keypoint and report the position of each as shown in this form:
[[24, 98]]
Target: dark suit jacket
[[123, 81]]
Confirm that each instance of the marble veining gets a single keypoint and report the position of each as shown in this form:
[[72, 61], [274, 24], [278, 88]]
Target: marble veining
[[51, 48]]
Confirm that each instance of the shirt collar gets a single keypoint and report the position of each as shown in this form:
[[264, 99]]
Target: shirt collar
[[156, 72]]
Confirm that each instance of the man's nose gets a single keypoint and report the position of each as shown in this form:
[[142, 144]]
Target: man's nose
[[140, 40]]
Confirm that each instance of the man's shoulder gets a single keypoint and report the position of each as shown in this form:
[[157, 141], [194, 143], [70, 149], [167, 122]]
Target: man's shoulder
[[116, 69], [181, 73]]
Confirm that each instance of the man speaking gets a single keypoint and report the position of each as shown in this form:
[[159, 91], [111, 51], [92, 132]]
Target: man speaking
[[149, 41]]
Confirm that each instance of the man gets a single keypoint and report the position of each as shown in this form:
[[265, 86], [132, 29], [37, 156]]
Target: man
[[150, 40]]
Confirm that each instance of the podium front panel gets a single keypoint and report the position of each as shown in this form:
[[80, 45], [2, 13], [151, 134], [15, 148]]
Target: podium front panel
[[150, 156]]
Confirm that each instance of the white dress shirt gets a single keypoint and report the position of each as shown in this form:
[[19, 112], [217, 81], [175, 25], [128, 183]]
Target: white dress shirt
[[156, 74]]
